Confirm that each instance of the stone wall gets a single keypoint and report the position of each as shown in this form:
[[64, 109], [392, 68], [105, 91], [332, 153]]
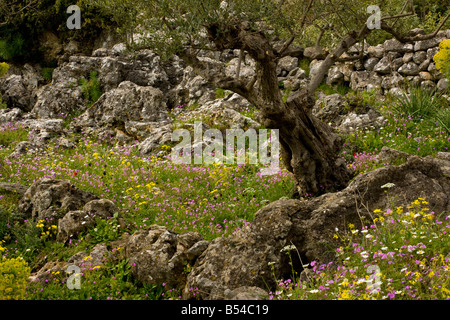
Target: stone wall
[[388, 66]]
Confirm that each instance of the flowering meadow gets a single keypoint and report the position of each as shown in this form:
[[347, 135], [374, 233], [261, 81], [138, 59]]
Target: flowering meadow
[[403, 253]]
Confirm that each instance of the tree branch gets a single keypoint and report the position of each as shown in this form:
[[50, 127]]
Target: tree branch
[[351, 39], [418, 37]]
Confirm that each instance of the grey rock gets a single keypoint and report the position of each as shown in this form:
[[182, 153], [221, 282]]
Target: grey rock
[[370, 63], [442, 85], [16, 94], [124, 108], [52, 199], [365, 80], [395, 80], [78, 221], [246, 293], [409, 69], [430, 43], [10, 115], [335, 76], [376, 51], [314, 53], [408, 57], [383, 66], [419, 57], [287, 64], [397, 46], [159, 255]]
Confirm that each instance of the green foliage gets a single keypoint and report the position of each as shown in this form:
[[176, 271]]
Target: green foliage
[[91, 88], [443, 117], [12, 47], [14, 275], [3, 104], [220, 93], [19, 39], [304, 64], [442, 58], [10, 135], [105, 231], [47, 73]]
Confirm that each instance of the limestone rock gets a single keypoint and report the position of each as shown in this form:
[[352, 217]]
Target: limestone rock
[[159, 255]]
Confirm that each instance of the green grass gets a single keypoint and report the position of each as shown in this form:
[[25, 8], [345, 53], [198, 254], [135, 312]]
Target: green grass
[[47, 73], [415, 125], [11, 133], [419, 104], [304, 64]]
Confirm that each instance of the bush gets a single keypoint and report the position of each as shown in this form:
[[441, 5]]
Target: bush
[[442, 58], [4, 67], [12, 47], [15, 273]]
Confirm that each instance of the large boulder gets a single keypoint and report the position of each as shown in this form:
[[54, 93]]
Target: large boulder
[[159, 255], [78, 221], [49, 199], [246, 258], [16, 93], [65, 95], [131, 108]]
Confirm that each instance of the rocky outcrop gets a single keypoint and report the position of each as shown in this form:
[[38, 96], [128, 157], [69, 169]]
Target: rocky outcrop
[[337, 111], [131, 108], [159, 255], [78, 221], [52, 199]]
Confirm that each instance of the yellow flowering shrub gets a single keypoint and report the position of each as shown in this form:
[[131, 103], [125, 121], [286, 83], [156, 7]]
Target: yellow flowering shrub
[[14, 274], [4, 67], [442, 58]]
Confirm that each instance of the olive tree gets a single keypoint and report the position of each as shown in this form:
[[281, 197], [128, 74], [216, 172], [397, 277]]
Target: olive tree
[[188, 28]]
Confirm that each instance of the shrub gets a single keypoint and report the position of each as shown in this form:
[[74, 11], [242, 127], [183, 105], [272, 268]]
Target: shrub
[[12, 47], [15, 273], [442, 58], [4, 67], [91, 88]]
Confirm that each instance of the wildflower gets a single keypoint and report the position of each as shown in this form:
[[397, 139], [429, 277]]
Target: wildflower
[[364, 254], [388, 185]]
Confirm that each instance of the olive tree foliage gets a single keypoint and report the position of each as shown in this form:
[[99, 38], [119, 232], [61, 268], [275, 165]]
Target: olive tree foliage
[[268, 30], [9, 9]]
